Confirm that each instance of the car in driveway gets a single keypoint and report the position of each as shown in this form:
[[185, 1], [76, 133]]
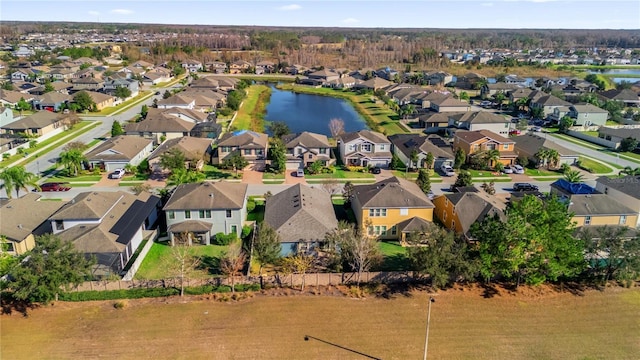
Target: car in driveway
[[54, 186], [300, 173], [376, 170], [518, 169], [117, 174], [485, 103], [508, 169], [524, 187], [447, 170]]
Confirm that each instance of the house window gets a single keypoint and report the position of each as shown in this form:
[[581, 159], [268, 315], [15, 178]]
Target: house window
[[8, 247], [59, 225], [404, 211], [259, 152], [505, 147], [226, 149], [323, 151], [171, 215], [382, 147], [453, 224], [310, 156], [444, 216], [234, 229], [351, 147], [187, 214], [377, 212], [365, 147], [446, 202], [247, 151], [207, 214], [228, 214], [491, 146], [587, 220], [623, 219], [394, 230]]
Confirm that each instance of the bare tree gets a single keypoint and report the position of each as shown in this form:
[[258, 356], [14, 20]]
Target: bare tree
[[183, 263], [336, 127], [331, 186], [298, 264], [232, 262], [356, 247]]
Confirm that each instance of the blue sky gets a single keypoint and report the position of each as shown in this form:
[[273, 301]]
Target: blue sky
[[541, 14]]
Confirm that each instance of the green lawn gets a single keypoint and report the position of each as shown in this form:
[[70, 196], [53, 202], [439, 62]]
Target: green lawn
[[213, 173], [257, 214], [540, 172], [594, 166], [394, 256], [155, 263], [342, 174], [245, 115], [136, 177], [486, 174], [272, 176], [142, 95], [414, 175], [579, 141], [79, 178]]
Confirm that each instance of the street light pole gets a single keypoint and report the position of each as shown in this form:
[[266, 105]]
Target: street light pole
[[426, 338]]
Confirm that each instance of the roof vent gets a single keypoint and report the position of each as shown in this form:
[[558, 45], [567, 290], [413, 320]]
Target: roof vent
[[19, 226], [211, 195], [88, 199]]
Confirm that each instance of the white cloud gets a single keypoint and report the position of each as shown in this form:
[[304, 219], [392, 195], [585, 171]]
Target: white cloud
[[290, 7], [487, 4], [94, 13], [122, 11], [350, 21]]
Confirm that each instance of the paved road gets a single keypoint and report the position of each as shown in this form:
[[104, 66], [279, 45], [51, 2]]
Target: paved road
[[598, 155]]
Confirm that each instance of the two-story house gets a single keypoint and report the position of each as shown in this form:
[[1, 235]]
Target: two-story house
[[588, 115], [404, 145], [110, 86], [365, 148], [217, 67], [474, 142], [479, 120], [548, 103], [192, 66], [624, 190], [530, 144], [614, 136], [206, 209], [391, 208], [239, 67], [250, 144], [109, 226], [305, 148], [164, 124]]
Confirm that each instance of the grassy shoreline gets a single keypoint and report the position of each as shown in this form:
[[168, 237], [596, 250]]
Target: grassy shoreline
[[250, 108]]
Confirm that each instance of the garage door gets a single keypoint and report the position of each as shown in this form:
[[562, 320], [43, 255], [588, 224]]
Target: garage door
[[292, 165]]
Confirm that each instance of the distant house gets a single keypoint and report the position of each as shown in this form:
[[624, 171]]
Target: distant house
[[588, 115], [265, 67], [448, 104], [473, 142], [251, 145], [489, 90], [109, 226], [627, 96], [324, 75], [517, 94], [117, 152], [433, 122], [305, 148], [389, 206], [438, 77], [110, 86], [101, 100], [177, 100], [460, 210], [22, 75], [238, 67], [548, 103], [51, 101], [196, 152], [217, 67], [529, 145], [616, 135], [404, 145], [365, 148], [206, 209], [164, 124], [6, 116], [23, 219], [374, 84], [192, 66], [156, 76], [302, 216], [215, 83], [11, 98], [480, 120], [470, 81], [624, 190], [87, 83], [41, 124]]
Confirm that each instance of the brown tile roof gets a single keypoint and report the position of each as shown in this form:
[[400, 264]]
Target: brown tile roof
[[374, 137], [597, 205], [221, 195], [193, 148], [245, 139], [20, 217], [301, 213], [392, 193], [479, 117], [123, 147], [306, 139], [433, 144], [473, 136], [37, 120]]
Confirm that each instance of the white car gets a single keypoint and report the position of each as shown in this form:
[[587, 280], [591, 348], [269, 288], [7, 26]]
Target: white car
[[518, 169], [508, 169], [117, 174], [447, 170]]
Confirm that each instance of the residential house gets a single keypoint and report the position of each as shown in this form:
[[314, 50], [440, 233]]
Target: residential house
[[489, 90], [42, 124], [480, 120], [143, 64], [624, 190], [216, 83], [109, 226], [303, 149], [448, 105], [6, 116], [404, 145], [458, 211], [386, 73], [177, 100], [529, 145], [521, 93], [470, 81], [391, 208], [192, 66], [324, 75], [111, 85], [87, 83], [22, 75], [51, 101], [433, 122], [588, 115], [265, 67], [205, 100], [627, 96], [101, 100], [163, 124], [302, 216], [515, 80], [61, 74], [11, 98], [474, 142], [119, 151], [206, 209], [196, 151], [548, 103], [404, 94], [365, 148], [436, 96], [438, 77], [156, 76], [344, 82], [599, 210], [23, 219], [616, 135], [23, 51], [239, 67], [375, 83], [217, 67], [251, 145]]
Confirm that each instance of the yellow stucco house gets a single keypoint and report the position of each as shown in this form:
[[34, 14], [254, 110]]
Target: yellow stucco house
[[391, 208], [23, 219], [473, 142]]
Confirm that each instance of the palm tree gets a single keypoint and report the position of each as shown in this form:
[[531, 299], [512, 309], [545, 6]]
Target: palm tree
[[573, 176], [72, 160], [553, 158], [182, 176], [492, 157], [628, 170], [18, 178], [409, 109], [542, 156], [499, 98], [522, 104]]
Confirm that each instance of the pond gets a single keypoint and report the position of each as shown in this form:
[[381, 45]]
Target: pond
[[630, 75], [305, 112]]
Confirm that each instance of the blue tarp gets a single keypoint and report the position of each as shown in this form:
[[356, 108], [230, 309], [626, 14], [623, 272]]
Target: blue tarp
[[574, 188]]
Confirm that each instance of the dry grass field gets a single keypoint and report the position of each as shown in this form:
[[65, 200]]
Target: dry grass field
[[529, 324]]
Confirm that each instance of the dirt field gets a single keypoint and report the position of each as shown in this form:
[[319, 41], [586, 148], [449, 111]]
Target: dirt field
[[530, 324]]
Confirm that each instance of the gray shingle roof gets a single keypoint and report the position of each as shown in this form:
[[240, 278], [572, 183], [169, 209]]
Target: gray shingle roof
[[374, 137], [301, 213], [531, 143], [434, 144], [306, 139], [472, 207], [38, 120], [121, 147], [597, 204], [207, 195], [245, 139], [193, 148], [622, 133], [479, 117], [629, 184], [392, 193], [21, 216]]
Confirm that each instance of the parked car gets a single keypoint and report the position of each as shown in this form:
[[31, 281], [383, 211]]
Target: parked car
[[376, 170], [117, 174], [524, 187], [485, 103], [536, 129], [515, 132], [507, 169], [518, 169], [300, 173], [54, 186], [447, 170]]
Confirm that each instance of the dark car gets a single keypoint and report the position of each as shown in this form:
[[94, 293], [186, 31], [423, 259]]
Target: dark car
[[524, 187], [376, 170], [157, 92], [54, 186]]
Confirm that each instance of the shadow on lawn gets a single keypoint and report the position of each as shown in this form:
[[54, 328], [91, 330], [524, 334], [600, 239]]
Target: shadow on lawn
[[11, 305], [210, 264]]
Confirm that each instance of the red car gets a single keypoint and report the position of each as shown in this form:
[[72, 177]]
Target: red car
[[54, 186]]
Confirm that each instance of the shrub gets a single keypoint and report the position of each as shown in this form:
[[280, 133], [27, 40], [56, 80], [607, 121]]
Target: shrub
[[224, 239], [251, 205], [246, 231], [121, 304]]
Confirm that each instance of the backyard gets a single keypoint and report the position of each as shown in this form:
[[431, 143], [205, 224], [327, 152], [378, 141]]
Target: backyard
[[155, 263], [466, 323]]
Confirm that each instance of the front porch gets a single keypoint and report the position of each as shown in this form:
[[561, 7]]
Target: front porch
[[197, 232]]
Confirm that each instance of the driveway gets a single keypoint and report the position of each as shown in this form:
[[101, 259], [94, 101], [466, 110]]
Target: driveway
[[106, 182], [290, 178], [252, 174]]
